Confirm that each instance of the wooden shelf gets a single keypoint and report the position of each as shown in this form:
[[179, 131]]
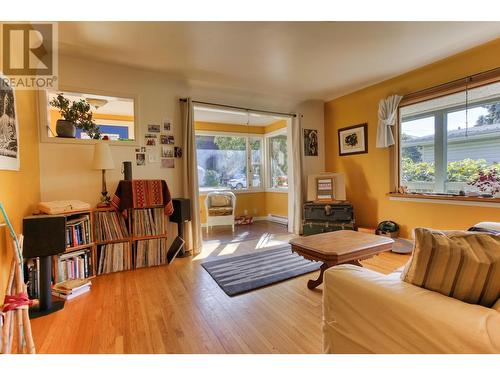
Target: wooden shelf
[[150, 237], [107, 242], [79, 247]]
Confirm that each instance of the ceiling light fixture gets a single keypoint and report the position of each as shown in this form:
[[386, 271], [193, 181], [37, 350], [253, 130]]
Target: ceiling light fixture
[[97, 103]]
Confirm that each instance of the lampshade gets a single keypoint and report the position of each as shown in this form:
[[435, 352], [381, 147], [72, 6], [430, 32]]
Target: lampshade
[[102, 157]]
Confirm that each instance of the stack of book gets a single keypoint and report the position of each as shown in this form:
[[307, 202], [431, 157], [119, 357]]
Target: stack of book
[[115, 257], [75, 265], [72, 288], [151, 252], [109, 225], [149, 221], [78, 231]]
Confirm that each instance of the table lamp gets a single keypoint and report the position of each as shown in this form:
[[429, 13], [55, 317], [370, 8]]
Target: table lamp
[[103, 161]]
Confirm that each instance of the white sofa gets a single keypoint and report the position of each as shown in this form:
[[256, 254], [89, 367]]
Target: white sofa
[[368, 312]]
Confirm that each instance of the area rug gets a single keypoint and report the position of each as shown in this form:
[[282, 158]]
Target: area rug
[[240, 274]]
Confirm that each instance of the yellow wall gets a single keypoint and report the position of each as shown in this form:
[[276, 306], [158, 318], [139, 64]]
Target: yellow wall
[[367, 175], [280, 124], [236, 128], [20, 190], [228, 128], [257, 204]]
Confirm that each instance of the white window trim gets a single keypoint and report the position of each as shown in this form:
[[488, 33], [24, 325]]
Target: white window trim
[[265, 175], [267, 157], [247, 136], [440, 148], [44, 117]]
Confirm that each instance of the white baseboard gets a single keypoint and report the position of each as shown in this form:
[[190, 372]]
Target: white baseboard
[[277, 219]]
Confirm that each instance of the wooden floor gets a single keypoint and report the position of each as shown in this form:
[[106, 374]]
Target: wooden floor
[[180, 309]]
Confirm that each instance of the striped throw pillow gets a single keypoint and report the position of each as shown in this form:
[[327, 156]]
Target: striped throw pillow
[[459, 264]]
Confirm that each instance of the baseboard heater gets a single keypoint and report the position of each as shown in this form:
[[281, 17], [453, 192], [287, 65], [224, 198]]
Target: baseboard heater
[[278, 219]]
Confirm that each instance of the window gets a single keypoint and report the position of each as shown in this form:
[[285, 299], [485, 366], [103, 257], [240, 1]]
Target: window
[[278, 161], [223, 161], [241, 162], [114, 116], [451, 143]]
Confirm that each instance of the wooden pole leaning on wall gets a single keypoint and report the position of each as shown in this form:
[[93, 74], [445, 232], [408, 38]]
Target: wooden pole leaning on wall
[[17, 319]]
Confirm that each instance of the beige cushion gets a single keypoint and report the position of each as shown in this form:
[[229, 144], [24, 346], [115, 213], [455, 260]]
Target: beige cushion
[[220, 211], [60, 207], [220, 200], [459, 264]]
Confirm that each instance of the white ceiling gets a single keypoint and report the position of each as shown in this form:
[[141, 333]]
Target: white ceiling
[[305, 60], [231, 116]]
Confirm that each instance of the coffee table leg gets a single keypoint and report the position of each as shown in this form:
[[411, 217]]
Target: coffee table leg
[[311, 284]]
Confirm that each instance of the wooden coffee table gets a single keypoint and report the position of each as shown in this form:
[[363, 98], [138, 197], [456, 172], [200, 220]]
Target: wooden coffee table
[[340, 247]]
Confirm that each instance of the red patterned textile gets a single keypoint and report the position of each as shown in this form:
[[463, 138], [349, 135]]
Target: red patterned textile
[[142, 194]]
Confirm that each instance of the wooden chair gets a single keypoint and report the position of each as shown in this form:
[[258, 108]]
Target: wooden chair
[[220, 207]]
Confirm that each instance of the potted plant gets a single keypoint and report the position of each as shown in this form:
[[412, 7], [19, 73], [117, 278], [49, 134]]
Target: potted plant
[[488, 182], [75, 114]]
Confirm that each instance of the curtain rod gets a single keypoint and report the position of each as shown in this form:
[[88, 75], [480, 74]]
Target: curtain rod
[[466, 79], [241, 108]]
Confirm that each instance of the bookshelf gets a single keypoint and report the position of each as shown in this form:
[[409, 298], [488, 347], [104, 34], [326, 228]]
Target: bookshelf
[[101, 241], [78, 259], [139, 241]]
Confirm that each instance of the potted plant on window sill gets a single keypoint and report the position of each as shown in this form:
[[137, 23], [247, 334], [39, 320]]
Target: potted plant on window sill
[[75, 114]]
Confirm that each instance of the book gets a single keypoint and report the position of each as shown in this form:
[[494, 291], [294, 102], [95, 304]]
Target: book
[[78, 231], [114, 257], [109, 226], [70, 296], [71, 285]]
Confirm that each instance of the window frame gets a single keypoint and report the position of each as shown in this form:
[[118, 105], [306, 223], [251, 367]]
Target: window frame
[[247, 137], [461, 85], [43, 117], [265, 158], [268, 178]]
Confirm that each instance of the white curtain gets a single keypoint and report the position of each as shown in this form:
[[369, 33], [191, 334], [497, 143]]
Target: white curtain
[[387, 111], [190, 172], [295, 174]]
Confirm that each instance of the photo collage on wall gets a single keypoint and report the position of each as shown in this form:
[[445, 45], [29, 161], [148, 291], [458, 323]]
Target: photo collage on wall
[[159, 146]]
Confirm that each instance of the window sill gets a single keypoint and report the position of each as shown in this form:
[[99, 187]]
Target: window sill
[[445, 199]]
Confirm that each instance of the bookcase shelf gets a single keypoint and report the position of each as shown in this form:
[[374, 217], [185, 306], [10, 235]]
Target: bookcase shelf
[[76, 248], [109, 235], [134, 249]]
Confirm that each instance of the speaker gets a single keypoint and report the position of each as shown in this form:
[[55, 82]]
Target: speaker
[[127, 170], [182, 210], [44, 235], [182, 213]]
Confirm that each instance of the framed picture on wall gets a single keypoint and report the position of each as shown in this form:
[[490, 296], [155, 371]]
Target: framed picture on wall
[[353, 140], [310, 142], [9, 128]]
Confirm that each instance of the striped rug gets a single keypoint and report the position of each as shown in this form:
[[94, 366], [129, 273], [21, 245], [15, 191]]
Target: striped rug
[[240, 274]]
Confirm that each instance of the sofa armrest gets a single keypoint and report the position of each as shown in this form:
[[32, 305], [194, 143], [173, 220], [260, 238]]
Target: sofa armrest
[[368, 312]]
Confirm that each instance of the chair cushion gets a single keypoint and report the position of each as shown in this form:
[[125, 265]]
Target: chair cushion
[[460, 264], [220, 200], [220, 211]]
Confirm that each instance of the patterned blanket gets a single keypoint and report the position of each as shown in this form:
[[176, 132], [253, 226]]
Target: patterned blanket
[[142, 194]]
